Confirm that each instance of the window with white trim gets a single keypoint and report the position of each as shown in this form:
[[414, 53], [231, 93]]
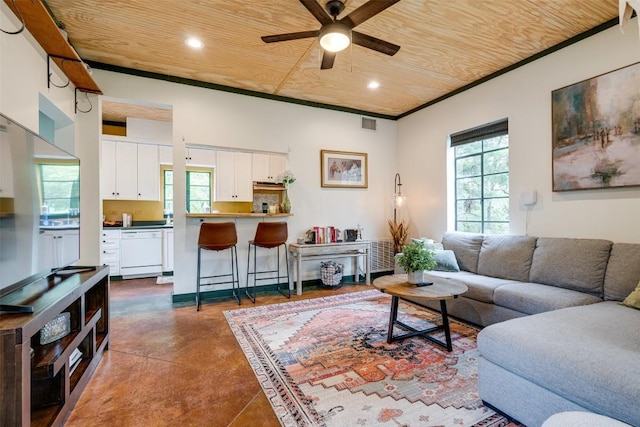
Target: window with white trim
[[198, 192]]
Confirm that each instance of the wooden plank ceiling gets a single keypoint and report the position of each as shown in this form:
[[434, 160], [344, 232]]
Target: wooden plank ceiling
[[445, 44]]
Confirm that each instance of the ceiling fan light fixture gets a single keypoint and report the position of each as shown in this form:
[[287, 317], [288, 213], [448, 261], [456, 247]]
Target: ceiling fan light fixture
[[335, 37]]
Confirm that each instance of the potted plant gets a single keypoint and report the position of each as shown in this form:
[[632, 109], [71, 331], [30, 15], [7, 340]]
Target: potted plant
[[414, 259]]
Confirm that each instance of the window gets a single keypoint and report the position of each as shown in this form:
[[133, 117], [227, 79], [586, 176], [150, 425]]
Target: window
[[168, 191], [198, 190], [60, 188], [481, 157]]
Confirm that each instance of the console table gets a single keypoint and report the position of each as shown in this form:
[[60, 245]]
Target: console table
[[42, 382], [321, 251]]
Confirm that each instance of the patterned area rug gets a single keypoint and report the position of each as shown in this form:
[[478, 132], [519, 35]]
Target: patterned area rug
[[325, 362]]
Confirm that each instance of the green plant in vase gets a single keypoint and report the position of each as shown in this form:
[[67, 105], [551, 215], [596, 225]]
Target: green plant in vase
[[414, 259], [286, 178]]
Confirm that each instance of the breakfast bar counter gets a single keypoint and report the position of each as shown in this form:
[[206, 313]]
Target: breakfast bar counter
[[238, 215]]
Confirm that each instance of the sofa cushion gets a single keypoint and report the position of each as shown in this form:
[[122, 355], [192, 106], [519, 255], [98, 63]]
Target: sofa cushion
[[428, 243], [481, 288], [467, 248], [577, 264], [506, 256], [445, 260], [633, 300], [533, 298], [587, 354], [623, 271]]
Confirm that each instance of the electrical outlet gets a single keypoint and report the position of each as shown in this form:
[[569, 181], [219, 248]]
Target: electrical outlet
[[113, 212], [137, 212]]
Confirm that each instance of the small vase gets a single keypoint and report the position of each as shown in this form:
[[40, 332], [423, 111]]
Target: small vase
[[286, 203], [414, 277]]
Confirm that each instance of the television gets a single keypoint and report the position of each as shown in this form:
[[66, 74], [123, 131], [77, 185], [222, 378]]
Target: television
[[39, 208]]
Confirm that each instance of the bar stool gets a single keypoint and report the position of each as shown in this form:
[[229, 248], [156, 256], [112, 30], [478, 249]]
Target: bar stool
[[269, 235], [218, 237]]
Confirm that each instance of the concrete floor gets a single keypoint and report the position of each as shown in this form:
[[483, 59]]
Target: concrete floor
[[173, 366]]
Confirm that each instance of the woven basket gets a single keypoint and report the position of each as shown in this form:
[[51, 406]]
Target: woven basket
[[331, 273]]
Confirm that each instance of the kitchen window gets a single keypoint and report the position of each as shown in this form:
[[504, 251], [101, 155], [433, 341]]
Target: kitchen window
[[198, 192], [481, 158], [60, 188]]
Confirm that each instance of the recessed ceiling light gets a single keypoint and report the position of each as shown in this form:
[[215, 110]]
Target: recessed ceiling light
[[194, 43], [373, 85]]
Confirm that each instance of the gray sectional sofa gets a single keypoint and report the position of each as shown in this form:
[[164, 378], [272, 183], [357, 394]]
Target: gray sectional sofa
[[557, 338]]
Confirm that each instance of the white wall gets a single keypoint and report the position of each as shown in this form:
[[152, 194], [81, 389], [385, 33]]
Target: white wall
[[208, 117], [524, 97], [23, 76]]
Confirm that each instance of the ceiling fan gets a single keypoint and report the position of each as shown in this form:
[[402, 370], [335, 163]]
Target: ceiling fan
[[336, 34]]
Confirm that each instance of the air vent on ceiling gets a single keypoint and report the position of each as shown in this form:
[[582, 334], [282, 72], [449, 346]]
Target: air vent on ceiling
[[368, 123]]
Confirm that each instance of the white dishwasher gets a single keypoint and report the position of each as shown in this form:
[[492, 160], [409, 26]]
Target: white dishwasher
[[140, 252]]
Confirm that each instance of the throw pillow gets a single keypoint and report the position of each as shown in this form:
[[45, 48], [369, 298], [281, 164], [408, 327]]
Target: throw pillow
[[633, 300], [429, 244], [445, 260]]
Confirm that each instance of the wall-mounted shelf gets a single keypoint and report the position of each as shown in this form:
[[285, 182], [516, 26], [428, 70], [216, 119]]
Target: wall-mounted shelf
[[43, 28]]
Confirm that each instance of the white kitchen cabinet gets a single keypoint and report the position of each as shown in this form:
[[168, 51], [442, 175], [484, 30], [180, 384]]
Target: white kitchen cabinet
[[110, 250], [130, 171], [200, 157], [233, 177], [165, 154], [267, 167], [148, 172], [119, 170], [58, 248], [167, 253]]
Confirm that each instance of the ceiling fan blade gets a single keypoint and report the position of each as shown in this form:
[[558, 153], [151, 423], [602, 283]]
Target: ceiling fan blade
[[366, 11], [290, 36], [317, 11], [327, 60], [374, 43]]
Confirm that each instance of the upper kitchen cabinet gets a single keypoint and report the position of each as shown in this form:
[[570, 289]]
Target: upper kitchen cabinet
[[165, 154], [130, 171], [267, 167], [201, 157], [148, 172], [233, 177], [194, 156]]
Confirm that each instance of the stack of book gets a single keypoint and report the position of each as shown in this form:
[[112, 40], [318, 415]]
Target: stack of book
[[327, 234]]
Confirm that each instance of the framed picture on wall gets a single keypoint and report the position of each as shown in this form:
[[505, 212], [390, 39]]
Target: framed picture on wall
[[343, 169], [596, 132]]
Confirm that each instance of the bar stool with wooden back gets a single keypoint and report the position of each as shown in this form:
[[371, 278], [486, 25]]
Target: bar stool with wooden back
[[269, 235], [219, 236]]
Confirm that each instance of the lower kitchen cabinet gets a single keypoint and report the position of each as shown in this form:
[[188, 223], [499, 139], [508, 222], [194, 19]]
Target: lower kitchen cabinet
[[110, 250], [167, 253], [58, 248], [137, 252]]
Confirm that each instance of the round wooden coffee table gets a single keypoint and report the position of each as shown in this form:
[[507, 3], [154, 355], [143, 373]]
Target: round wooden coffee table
[[440, 289]]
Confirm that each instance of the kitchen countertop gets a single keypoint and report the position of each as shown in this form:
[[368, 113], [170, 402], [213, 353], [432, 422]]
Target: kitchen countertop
[[138, 227], [237, 215]]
